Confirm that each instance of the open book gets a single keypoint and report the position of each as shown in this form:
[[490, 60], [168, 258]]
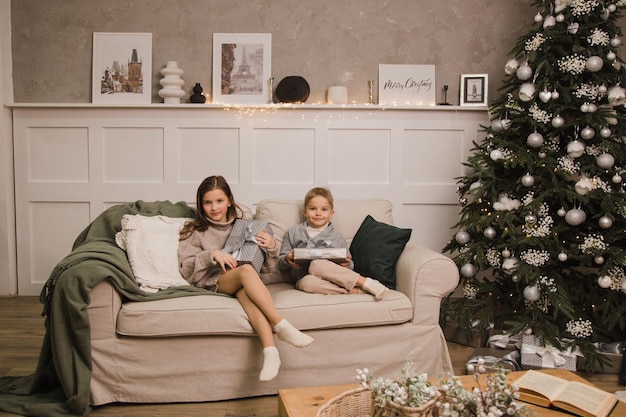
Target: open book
[[576, 397]]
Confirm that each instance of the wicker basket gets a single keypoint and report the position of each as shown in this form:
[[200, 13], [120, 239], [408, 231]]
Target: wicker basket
[[358, 403]]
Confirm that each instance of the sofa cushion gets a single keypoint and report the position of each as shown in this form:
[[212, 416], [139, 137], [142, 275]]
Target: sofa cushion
[[223, 315], [151, 244], [349, 214], [376, 248]]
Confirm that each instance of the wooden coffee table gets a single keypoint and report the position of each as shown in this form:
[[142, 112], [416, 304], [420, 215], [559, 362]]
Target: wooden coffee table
[[304, 402]]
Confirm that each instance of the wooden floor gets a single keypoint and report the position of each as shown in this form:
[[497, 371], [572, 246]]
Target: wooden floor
[[21, 333]]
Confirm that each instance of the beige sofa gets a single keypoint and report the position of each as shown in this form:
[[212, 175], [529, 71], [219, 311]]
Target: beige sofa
[[202, 348]]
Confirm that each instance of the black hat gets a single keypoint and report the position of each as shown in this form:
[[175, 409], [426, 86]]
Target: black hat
[[292, 89]]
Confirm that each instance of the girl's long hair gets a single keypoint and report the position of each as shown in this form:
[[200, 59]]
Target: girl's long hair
[[201, 223]]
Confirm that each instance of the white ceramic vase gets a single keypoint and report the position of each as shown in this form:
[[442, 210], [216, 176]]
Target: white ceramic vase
[[172, 84], [337, 95]]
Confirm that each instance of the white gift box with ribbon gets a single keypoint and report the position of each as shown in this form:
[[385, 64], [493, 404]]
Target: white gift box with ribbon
[[535, 355]]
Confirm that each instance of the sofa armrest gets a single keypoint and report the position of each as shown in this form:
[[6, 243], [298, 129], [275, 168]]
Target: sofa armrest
[[425, 276], [104, 305]]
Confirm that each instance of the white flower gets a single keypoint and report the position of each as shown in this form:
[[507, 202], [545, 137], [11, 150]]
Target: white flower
[[573, 64], [583, 7], [598, 37], [506, 203], [579, 328], [535, 42], [535, 257]]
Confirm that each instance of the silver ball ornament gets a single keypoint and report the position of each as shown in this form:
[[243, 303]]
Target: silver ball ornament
[[599, 260], [468, 270], [515, 278], [496, 125], [584, 107], [594, 63], [583, 186], [575, 148], [605, 132], [527, 92], [561, 212], [605, 281], [557, 121], [602, 89], [489, 232], [611, 8], [511, 66], [534, 140], [616, 95], [560, 17], [462, 237], [605, 160], [575, 217], [509, 265], [530, 219], [615, 42], [562, 256], [528, 180], [495, 155], [542, 155], [611, 56], [605, 222], [587, 133], [524, 72], [549, 21], [555, 94], [506, 253], [616, 179], [532, 293], [538, 17]]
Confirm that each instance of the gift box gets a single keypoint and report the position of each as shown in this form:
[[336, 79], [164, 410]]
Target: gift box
[[474, 336], [306, 255], [535, 355], [508, 359], [499, 339], [612, 352], [242, 244]]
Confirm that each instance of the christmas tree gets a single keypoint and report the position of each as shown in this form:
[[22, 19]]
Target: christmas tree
[[541, 242]]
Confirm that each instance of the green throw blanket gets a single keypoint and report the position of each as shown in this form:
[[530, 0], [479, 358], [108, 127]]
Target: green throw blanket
[[60, 384]]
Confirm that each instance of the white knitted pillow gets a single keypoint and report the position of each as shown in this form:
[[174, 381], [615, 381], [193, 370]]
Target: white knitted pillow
[[151, 244]]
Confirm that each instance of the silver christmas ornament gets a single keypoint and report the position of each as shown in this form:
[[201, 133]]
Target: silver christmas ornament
[[605, 160], [495, 155], [611, 56], [506, 124], [475, 186], [557, 121], [605, 222], [604, 14], [615, 42], [611, 8], [605, 281], [599, 260], [530, 219], [462, 237], [616, 179], [575, 148], [583, 186], [602, 89], [574, 217], [584, 107], [496, 125], [511, 66], [515, 278], [587, 133], [528, 180], [462, 201], [542, 155], [489, 232], [624, 286], [560, 17], [616, 95], [561, 212], [562, 256], [555, 94], [605, 132], [527, 92], [534, 140], [506, 253], [532, 293], [594, 63], [509, 265], [524, 72], [538, 17], [549, 21], [573, 28], [468, 270], [545, 96]]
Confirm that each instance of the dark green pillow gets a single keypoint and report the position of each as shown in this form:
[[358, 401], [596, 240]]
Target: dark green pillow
[[376, 248]]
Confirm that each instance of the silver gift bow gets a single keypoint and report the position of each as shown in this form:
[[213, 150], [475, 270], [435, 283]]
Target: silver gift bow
[[550, 352], [512, 358], [247, 236], [503, 340]]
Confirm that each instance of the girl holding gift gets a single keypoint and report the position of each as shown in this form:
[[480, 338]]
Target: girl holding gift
[[323, 276], [203, 263]]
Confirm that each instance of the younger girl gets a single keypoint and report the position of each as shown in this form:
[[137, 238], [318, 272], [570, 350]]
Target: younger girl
[[323, 276], [203, 263]]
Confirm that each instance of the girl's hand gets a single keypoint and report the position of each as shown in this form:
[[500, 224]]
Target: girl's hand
[[225, 260], [345, 263], [289, 260], [265, 240]]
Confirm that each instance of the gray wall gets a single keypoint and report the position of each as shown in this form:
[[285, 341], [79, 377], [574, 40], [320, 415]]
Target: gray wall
[[328, 42]]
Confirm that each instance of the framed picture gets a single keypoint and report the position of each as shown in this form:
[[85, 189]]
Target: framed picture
[[122, 68], [242, 67], [473, 90], [412, 85]]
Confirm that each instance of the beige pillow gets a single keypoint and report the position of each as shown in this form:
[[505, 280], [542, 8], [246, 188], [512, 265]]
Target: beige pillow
[[151, 244]]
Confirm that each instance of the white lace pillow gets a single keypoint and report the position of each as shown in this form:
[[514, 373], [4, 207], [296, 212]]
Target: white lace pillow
[[151, 244]]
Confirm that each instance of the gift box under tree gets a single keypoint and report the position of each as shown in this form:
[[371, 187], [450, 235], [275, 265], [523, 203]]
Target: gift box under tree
[[241, 242], [536, 355]]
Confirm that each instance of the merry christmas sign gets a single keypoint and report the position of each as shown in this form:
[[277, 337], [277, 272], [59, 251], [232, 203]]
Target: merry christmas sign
[[406, 85]]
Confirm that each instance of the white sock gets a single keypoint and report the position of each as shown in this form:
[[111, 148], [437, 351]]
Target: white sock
[[376, 288], [271, 364], [287, 333]]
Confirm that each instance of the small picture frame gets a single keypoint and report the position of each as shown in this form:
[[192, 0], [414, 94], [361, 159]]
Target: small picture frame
[[122, 68], [473, 89], [242, 68]]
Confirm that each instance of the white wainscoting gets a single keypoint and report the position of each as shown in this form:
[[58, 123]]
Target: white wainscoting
[[73, 161]]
